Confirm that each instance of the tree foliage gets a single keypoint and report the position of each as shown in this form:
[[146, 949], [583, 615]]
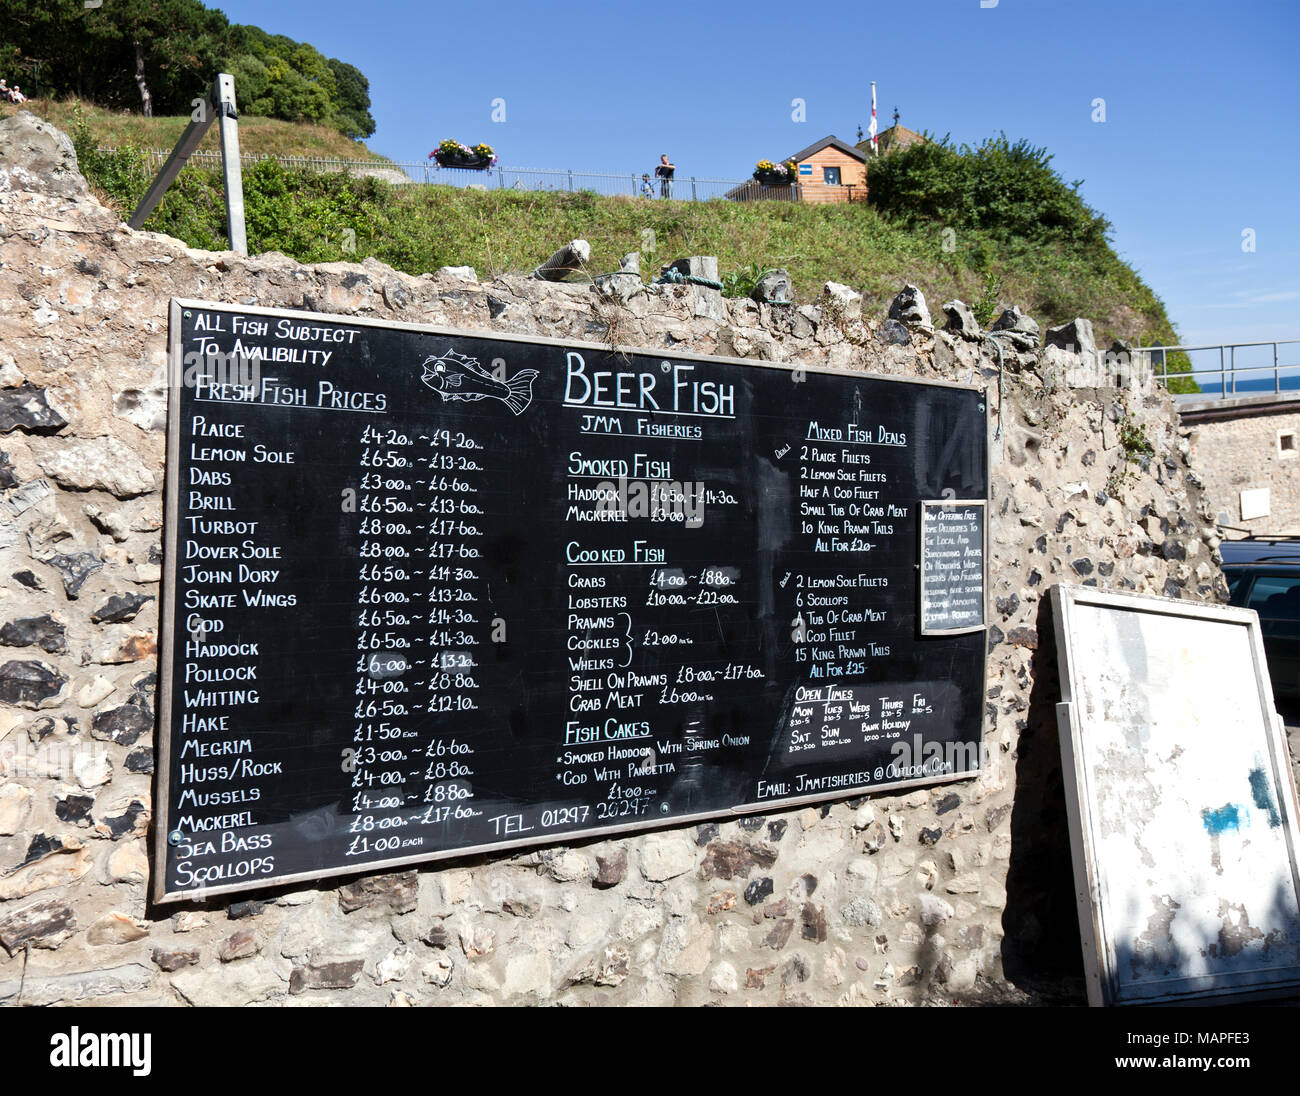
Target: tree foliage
[[1008, 191], [60, 47]]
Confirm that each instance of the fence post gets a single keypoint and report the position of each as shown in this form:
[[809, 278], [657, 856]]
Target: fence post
[[692, 188], [570, 178]]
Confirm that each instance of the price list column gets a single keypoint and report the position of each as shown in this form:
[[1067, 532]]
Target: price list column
[[420, 625]]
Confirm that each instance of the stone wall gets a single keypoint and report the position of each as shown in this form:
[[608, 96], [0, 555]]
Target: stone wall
[[958, 892], [1250, 444]]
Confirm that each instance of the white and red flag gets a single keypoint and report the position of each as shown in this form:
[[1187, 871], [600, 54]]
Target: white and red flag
[[873, 116]]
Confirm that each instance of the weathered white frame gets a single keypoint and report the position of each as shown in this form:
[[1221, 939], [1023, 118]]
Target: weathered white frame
[[1099, 945]]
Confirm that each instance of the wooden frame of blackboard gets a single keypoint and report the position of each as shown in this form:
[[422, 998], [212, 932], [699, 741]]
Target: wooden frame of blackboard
[[1100, 946], [984, 578], [167, 638]]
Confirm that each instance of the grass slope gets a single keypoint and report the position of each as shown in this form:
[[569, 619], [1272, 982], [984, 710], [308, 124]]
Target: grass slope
[[260, 136], [331, 217]]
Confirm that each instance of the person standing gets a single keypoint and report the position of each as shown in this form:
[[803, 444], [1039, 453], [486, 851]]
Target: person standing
[[664, 170]]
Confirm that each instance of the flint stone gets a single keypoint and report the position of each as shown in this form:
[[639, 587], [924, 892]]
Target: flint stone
[[133, 820], [93, 464], [115, 928], [45, 924], [893, 333], [43, 631], [120, 608], [146, 408], [568, 866], [73, 808], [611, 868], [239, 945], [862, 911], [961, 320], [394, 893], [665, 856], [438, 973], [394, 966], [1075, 336], [75, 567], [343, 974], [934, 911], [735, 859], [140, 761], [779, 934], [86, 984], [129, 864], [27, 684], [26, 407], [15, 806], [395, 294], [124, 724], [774, 287], [873, 837], [30, 147], [1022, 329], [841, 301], [813, 923], [173, 959], [92, 692], [620, 286], [909, 307], [228, 984]]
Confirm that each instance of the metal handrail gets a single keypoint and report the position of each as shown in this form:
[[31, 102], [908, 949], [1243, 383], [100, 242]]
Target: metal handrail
[[1228, 368]]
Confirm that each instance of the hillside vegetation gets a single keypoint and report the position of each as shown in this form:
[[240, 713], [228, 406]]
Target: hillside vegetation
[[1054, 272]]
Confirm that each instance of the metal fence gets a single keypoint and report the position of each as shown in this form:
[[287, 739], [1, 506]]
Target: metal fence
[[500, 177], [1230, 369]]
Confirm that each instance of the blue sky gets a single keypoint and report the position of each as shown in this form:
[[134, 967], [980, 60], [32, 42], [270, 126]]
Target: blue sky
[[1200, 143]]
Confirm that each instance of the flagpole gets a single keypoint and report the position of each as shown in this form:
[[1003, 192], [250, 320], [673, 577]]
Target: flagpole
[[875, 147]]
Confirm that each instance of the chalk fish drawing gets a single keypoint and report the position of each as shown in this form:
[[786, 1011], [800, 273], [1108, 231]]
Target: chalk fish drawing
[[455, 377]]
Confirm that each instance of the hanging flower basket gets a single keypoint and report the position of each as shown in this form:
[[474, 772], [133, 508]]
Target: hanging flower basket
[[453, 154], [773, 174]]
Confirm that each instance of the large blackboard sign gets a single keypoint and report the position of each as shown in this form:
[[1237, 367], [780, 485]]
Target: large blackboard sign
[[952, 566], [430, 592]]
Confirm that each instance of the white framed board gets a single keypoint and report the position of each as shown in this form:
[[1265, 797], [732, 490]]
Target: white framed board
[[1182, 810]]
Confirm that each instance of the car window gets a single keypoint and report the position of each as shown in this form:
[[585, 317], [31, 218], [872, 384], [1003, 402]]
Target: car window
[[1276, 596], [1235, 579]]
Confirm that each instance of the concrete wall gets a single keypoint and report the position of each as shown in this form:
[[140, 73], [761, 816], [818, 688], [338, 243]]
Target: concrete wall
[[959, 892], [1251, 444]]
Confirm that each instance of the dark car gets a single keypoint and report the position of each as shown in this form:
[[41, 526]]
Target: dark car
[[1264, 574]]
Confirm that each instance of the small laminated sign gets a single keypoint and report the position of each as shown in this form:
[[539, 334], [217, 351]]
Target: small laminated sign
[[952, 566]]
